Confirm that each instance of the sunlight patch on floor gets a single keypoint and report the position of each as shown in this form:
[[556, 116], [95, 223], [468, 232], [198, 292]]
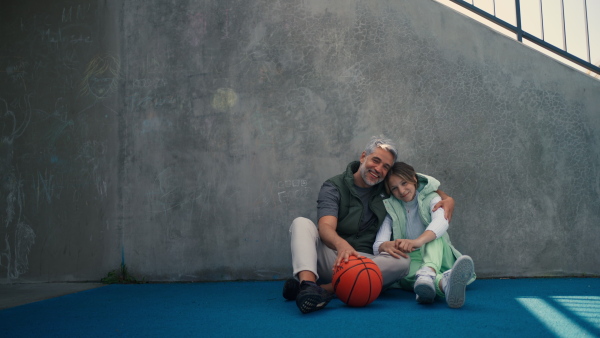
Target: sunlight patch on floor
[[559, 321]]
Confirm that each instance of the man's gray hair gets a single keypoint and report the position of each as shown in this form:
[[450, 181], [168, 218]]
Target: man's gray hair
[[383, 143]]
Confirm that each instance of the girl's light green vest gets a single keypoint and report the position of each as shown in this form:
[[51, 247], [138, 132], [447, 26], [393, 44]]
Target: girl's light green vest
[[395, 208]]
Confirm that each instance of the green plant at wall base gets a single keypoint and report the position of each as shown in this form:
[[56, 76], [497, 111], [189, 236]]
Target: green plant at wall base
[[120, 276]]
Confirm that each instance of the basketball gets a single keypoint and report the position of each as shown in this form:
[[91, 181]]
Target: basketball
[[358, 282]]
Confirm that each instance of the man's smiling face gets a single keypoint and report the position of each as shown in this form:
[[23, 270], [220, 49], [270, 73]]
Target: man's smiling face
[[373, 167]]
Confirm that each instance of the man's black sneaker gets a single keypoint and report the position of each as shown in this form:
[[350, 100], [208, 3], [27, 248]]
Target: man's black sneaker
[[291, 289], [312, 297]]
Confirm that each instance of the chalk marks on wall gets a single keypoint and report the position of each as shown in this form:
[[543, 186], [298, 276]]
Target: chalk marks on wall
[[18, 235], [13, 192], [46, 187], [72, 29], [292, 190], [199, 23], [168, 193], [224, 99], [155, 124], [99, 80], [148, 83], [63, 36], [91, 153], [15, 259], [17, 71], [42, 113], [55, 130], [75, 14], [197, 29], [24, 239], [101, 76], [10, 126], [56, 100], [157, 61], [226, 26], [138, 101]]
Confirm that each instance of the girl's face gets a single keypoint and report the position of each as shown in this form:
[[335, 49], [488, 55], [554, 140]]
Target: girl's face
[[401, 189]]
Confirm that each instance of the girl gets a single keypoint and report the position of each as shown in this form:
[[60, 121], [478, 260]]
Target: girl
[[436, 266]]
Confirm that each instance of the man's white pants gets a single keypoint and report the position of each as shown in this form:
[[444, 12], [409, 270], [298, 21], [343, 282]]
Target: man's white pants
[[309, 253]]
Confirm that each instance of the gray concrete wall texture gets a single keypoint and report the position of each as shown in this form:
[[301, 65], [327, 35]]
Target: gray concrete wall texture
[[182, 137]]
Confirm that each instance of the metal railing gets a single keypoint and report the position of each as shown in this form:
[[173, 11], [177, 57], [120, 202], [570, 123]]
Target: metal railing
[[521, 34]]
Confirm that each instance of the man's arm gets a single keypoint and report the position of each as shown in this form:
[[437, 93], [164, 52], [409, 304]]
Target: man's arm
[[327, 226], [447, 203]]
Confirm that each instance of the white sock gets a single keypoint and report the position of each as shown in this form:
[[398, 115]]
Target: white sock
[[425, 271], [444, 283]]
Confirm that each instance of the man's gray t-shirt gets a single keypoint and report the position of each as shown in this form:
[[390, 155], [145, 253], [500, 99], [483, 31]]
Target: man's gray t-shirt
[[328, 203]]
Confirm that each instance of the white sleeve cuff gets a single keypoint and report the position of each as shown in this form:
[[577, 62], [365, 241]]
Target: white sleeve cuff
[[439, 223], [383, 235]]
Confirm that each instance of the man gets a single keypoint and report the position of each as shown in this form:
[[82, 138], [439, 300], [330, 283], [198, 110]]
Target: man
[[350, 211]]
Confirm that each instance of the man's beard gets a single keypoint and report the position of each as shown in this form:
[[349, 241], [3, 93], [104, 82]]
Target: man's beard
[[364, 173]]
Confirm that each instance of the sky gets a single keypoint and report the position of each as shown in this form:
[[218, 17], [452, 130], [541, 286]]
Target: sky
[[535, 14]]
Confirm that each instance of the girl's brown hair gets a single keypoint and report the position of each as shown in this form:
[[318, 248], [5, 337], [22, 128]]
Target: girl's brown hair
[[405, 172]]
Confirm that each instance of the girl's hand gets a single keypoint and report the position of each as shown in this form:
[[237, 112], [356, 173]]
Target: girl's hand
[[407, 245], [390, 247]]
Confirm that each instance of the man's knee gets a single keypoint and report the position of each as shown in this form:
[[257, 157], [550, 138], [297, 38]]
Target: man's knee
[[388, 263], [403, 264], [302, 223], [303, 230], [400, 263]]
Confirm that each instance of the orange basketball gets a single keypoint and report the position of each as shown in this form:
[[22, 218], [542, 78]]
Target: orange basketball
[[358, 282]]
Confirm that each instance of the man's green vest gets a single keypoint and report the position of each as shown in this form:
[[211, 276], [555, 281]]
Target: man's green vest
[[351, 210]]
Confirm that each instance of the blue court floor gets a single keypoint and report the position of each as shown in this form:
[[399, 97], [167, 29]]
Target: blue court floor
[[554, 307]]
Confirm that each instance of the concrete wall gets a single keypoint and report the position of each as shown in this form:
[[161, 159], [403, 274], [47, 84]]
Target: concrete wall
[[182, 137]]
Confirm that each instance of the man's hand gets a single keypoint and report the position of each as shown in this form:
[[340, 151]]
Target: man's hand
[[447, 203], [344, 251], [327, 226], [390, 247]]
